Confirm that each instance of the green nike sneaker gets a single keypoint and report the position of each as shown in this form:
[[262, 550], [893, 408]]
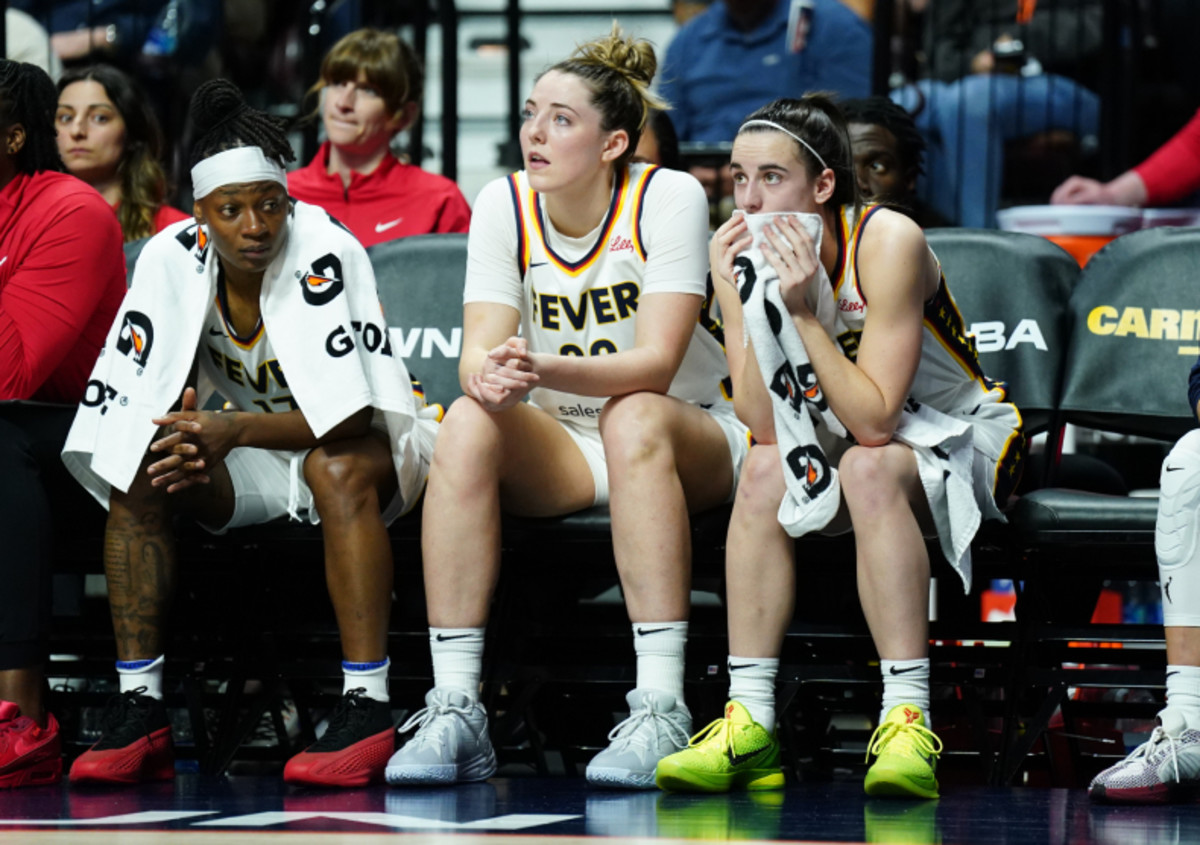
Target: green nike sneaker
[[906, 754], [734, 752]]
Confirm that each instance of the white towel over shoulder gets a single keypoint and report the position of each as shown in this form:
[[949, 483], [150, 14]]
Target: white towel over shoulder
[[321, 312]]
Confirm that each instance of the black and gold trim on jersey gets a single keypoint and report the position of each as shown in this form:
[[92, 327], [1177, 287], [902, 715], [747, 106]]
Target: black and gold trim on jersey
[[240, 341], [514, 191], [1009, 468], [624, 193], [855, 240], [842, 233], [418, 390], [639, 196], [945, 322]]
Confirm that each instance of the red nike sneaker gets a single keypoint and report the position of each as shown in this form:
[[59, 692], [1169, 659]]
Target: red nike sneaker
[[135, 746], [29, 755], [354, 749]]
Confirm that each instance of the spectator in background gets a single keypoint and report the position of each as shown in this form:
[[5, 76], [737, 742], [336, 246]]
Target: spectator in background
[[979, 36], [1169, 175], [109, 137], [659, 143], [888, 156], [126, 31], [62, 276], [371, 85], [26, 41], [739, 54], [993, 90]]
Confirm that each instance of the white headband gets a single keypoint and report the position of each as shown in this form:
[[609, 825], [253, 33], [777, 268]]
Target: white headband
[[774, 125], [232, 167]]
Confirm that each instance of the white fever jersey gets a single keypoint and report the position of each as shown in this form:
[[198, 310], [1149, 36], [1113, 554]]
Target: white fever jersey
[[243, 369], [948, 377], [579, 296]]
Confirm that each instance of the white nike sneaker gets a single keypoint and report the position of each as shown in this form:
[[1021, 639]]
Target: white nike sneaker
[[658, 725], [451, 744], [1163, 770]]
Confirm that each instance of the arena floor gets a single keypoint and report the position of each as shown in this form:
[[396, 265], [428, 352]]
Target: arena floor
[[200, 810]]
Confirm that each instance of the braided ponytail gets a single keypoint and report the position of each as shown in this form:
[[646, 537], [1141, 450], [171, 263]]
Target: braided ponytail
[[28, 98], [222, 120]]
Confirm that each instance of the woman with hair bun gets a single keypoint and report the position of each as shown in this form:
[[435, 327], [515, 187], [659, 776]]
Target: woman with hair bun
[[109, 137], [371, 85], [275, 305], [585, 286], [849, 326]]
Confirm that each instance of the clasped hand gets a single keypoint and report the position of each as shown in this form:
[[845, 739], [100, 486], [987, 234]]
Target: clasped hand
[[507, 375], [194, 442]]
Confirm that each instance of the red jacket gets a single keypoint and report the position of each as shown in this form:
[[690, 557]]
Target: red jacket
[[393, 201], [62, 278], [1173, 170]]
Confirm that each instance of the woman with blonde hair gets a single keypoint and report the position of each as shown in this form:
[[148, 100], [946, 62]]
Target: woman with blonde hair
[[370, 87], [585, 281], [109, 137]]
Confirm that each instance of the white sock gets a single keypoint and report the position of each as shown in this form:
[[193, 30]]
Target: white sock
[[752, 684], [1183, 693], [659, 647], [372, 677], [457, 659], [905, 682], [142, 673]]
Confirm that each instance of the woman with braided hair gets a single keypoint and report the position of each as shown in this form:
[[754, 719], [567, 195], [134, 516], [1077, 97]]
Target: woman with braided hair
[[585, 286], [62, 276], [274, 305]]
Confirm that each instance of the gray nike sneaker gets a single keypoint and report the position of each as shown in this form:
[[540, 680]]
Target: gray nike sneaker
[[658, 725], [451, 744], [1163, 770]]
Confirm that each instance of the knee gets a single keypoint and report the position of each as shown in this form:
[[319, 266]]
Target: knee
[[760, 484], [467, 433], [634, 429], [870, 476], [335, 472]]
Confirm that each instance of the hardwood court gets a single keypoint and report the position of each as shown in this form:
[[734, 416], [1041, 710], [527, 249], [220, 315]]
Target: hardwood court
[[199, 810]]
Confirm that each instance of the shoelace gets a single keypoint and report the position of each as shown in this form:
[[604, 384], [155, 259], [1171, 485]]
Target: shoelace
[[627, 730], [352, 709], [118, 707], [919, 737], [1158, 737], [426, 716], [722, 727]]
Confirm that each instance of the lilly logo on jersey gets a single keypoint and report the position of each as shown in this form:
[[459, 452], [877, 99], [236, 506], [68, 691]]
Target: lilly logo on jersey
[[324, 281], [136, 337], [620, 243]]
